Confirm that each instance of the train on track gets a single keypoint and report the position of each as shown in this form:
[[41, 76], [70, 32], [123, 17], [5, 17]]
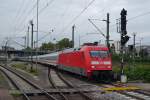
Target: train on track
[[89, 60]]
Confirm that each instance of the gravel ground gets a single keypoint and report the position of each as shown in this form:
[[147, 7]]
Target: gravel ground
[[42, 77], [57, 80], [19, 81], [3, 81], [144, 86], [4, 95]]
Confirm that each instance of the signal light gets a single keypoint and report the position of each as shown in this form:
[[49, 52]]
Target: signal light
[[124, 39], [123, 21]]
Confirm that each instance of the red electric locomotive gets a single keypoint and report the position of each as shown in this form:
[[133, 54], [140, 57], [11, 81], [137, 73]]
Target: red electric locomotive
[[86, 61]]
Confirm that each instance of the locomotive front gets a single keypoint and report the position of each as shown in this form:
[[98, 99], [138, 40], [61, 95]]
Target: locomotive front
[[98, 61]]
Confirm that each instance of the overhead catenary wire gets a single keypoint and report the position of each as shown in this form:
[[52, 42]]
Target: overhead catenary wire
[[29, 12], [49, 3], [76, 17], [19, 11], [22, 19], [140, 15]]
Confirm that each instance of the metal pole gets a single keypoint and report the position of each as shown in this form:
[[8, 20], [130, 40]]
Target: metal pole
[[25, 41], [28, 42], [28, 37], [134, 35], [122, 56], [6, 55], [31, 22], [73, 27], [37, 30], [107, 36]]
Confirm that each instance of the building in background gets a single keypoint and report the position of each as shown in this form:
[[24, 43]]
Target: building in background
[[144, 49], [7, 48]]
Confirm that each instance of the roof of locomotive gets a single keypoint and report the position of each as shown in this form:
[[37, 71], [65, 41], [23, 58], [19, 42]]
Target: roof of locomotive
[[99, 47], [86, 47]]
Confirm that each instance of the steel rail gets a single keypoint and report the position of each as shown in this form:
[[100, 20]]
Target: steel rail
[[54, 85], [130, 95], [72, 86], [15, 84], [31, 83]]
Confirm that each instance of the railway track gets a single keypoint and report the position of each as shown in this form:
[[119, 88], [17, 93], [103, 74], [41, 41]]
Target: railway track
[[65, 83], [127, 95], [14, 78], [51, 80], [136, 94]]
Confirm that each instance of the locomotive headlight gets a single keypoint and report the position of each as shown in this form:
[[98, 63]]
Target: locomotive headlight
[[93, 67], [94, 62], [107, 62], [108, 66]]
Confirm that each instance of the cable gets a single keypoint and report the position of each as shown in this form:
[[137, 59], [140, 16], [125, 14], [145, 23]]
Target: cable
[[140, 15], [76, 17], [34, 6], [49, 3], [17, 43], [42, 9], [29, 12], [19, 11]]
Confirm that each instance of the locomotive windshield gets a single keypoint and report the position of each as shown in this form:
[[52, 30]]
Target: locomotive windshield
[[100, 54]]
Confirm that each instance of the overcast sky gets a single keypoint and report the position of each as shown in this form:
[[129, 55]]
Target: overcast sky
[[59, 14]]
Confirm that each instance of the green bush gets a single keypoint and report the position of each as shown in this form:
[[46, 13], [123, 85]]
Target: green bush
[[138, 73]]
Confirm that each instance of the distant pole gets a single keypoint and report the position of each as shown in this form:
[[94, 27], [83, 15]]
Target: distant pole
[[73, 27], [28, 42], [28, 37], [37, 31], [134, 35], [31, 22], [25, 41], [6, 54], [107, 36]]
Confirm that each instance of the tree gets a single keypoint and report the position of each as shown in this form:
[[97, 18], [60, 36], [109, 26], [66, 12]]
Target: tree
[[64, 43], [48, 46]]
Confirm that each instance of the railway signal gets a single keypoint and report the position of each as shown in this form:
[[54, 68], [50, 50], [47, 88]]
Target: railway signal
[[124, 36], [124, 40]]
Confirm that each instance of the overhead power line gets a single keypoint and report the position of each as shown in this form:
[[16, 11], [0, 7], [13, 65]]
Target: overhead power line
[[140, 15], [76, 17], [30, 11], [49, 3], [97, 28]]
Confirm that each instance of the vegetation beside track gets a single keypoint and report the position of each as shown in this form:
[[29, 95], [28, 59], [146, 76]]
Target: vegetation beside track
[[3, 82], [15, 93], [135, 70], [25, 67]]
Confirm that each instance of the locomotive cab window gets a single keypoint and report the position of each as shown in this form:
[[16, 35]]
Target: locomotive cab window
[[100, 54]]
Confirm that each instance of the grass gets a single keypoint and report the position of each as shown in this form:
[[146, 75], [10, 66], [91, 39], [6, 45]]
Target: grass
[[15, 93], [25, 67], [141, 71]]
